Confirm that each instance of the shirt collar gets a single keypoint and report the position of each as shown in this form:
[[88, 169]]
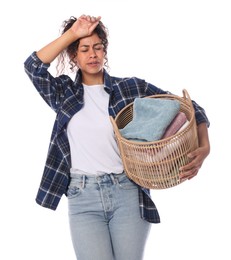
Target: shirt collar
[[107, 81]]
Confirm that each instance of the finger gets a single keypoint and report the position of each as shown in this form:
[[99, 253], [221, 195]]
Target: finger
[[95, 19], [83, 16], [98, 18], [88, 18], [195, 172], [189, 174], [192, 154], [187, 167]]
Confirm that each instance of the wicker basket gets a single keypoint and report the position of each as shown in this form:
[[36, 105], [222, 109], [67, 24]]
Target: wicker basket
[[155, 165]]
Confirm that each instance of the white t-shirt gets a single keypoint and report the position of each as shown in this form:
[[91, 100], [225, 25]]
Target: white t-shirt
[[90, 133]]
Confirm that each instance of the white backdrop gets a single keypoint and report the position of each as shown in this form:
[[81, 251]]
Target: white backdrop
[[172, 44]]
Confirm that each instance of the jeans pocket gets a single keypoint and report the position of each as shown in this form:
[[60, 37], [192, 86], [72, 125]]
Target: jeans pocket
[[127, 184], [73, 190]]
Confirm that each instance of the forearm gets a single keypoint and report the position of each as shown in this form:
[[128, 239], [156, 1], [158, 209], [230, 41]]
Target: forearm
[[203, 137], [49, 52]]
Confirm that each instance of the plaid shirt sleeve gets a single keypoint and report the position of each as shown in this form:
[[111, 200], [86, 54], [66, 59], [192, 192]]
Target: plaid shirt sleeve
[[200, 114], [50, 88]]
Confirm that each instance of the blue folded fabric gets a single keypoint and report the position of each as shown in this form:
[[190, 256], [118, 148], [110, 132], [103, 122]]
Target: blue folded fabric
[[151, 117]]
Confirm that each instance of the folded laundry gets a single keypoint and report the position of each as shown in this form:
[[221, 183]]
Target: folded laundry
[[151, 117], [175, 125]]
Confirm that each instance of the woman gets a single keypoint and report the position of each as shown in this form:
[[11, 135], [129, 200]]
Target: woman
[[109, 215]]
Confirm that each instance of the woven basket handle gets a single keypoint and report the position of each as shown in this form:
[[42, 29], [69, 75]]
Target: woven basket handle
[[187, 98]]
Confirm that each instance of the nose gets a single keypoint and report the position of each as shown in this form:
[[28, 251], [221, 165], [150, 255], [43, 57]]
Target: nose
[[92, 53]]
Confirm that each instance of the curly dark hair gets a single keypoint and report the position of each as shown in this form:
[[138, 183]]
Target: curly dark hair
[[69, 54]]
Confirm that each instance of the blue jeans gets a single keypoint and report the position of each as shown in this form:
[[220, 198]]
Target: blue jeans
[[104, 217]]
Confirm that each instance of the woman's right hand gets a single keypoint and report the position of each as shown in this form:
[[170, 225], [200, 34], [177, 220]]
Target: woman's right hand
[[85, 25]]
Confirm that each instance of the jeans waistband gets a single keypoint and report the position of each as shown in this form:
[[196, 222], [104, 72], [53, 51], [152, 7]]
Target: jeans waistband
[[96, 178]]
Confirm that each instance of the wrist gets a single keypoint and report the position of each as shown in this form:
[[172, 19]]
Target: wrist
[[70, 36]]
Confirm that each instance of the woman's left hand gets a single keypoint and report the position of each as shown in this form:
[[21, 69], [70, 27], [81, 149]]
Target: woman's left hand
[[198, 156]]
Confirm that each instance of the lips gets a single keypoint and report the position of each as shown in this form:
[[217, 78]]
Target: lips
[[93, 63]]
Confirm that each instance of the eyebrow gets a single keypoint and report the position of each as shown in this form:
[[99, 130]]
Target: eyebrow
[[85, 45]]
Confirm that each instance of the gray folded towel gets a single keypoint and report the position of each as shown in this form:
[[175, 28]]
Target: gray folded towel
[[151, 117]]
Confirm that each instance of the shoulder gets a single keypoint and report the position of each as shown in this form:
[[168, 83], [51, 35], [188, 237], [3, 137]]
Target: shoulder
[[127, 80], [136, 84], [122, 81]]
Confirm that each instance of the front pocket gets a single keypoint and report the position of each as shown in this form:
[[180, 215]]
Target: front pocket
[[73, 192], [126, 184]]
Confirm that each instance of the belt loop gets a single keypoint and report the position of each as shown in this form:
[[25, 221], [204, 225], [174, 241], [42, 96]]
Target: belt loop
[[113, 178], [83, 181]]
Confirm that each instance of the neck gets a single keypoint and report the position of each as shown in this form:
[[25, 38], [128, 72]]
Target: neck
[[93, 79]]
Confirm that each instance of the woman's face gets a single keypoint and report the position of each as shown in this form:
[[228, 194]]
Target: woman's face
[[90, 55]]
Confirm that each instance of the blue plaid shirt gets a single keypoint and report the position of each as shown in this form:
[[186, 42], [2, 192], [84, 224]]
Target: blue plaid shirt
[[65, 97]]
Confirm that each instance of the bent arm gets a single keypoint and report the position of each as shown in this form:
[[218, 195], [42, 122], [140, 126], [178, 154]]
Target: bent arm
[[82, 27], [49, 52]]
